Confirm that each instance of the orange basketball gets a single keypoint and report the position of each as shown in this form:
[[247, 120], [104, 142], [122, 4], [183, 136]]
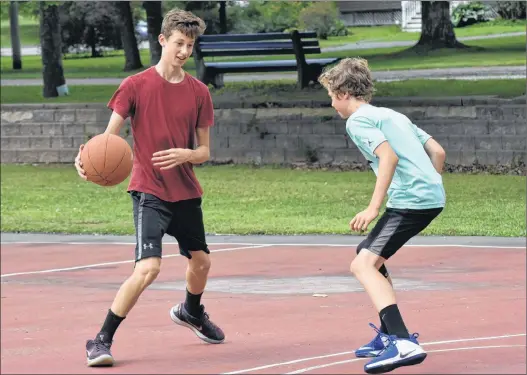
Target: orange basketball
[[107, 159]]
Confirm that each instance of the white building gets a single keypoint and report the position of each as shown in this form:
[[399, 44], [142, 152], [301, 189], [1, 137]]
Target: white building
[[375, 13]]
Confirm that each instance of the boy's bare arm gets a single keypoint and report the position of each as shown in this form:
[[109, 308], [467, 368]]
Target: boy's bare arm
[[387, 163], [388, 160], [115, 124], [436, 153]]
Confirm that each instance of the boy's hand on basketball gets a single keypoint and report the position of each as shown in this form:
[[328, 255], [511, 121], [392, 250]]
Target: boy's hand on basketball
[[78, 164], [171, 158], [361, 221]]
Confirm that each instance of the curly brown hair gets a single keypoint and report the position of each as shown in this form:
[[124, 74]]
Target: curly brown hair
[[350, 76], [185, 22]]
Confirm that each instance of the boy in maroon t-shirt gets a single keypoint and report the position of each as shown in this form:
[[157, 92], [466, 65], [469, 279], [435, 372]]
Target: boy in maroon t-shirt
[[170, 112]]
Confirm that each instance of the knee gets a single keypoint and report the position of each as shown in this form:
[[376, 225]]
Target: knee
[[148, 269], [200, 264], [355, 267], [360, 264]]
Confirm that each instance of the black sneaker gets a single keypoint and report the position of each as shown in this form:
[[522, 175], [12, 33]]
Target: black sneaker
[[202, 327], [98, 351]]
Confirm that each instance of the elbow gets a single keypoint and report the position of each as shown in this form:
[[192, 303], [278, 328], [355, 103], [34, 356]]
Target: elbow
[[441, 154]]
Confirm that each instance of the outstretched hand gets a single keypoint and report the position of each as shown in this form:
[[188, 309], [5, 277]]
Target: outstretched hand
[[361, 221], [171, 158]]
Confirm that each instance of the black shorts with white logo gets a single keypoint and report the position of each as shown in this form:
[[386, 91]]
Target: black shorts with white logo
[[154, 217], [395, 228]]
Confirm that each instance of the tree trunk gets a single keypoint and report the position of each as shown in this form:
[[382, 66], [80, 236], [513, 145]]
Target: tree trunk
[[437, 28], [50, 44], [15, 35], [223, 17], [154, 18], [131, 52]]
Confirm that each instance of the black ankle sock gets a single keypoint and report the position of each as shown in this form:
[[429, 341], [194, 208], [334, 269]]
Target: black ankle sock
[[110, 326], [393, 321], [384, 271], [193, 303], [383, 326]]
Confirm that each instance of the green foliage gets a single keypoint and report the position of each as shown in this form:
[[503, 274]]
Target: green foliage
[[470, 13], [511, 10], [322, 17], [265, 16], [92, 24]]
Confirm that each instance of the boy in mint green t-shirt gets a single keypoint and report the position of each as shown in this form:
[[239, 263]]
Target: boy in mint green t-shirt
[[408, 164]]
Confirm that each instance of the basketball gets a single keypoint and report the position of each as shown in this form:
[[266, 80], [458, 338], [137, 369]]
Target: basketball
[[107, 159]]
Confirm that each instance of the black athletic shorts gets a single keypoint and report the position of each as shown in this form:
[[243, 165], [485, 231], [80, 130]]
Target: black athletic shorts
[[395, 228], [154, 217]]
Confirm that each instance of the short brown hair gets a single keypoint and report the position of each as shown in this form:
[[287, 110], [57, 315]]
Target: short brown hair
[[350, 76], [185, 22]]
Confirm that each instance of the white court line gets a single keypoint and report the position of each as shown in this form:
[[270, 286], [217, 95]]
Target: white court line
[[300, 371], [118, 262], [254, 244], [351, 352]]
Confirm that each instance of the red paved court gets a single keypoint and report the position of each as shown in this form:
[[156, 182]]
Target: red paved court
[[468, 304]]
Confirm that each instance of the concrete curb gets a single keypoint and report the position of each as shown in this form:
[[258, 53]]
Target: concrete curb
[[475, 241]]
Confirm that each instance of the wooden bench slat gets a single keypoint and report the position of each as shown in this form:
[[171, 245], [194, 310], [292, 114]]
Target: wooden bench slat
[[254, 37], [249, 52], [244, 37], [266, 64], [205, 46], [258, 52]]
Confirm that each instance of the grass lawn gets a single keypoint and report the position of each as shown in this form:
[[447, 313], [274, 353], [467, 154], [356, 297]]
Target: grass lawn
[[392, 33], [272, 201], [284, 90], [29, 32], [493, 52]]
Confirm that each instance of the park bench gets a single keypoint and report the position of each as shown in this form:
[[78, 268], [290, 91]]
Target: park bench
[[294, 43]]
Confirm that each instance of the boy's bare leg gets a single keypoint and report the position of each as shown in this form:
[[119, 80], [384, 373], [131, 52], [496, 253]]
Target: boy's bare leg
[[197, 274], [365, 267], [145, 272], [191, 314]]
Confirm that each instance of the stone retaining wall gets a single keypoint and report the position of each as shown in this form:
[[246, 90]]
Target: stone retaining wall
[[483, 131]]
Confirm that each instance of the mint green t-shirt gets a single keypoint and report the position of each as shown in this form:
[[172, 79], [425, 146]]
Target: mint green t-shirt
[[416, 184]]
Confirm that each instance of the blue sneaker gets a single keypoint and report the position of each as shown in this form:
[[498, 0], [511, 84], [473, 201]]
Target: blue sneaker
[[399, 352], [374, 347]]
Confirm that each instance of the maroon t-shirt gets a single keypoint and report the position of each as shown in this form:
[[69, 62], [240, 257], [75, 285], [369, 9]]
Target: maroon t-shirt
[[164, 115]]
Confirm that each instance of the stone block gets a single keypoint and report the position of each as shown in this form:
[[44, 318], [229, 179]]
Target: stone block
[[10, 129], [515, 143], [8, 156], [68, 155], [287, 141], [324, 128], [73, 129], [44, 115], [461, 143], [299, 128], [502, 128], [65, 115], [488, 142], [86, 116], [61, 142], [53, 130], [30, 129], [42, 142], [334, 142], [273, 156], [16, 116]]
